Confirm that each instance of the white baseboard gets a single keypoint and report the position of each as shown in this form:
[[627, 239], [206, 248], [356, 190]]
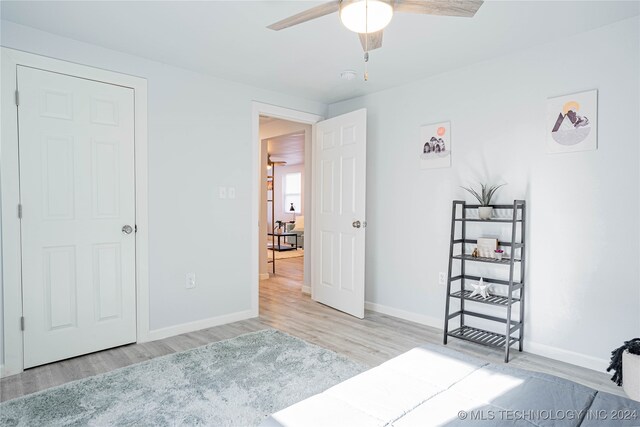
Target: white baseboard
[[7, 372], [544, 350], [566, 356], [406, 315], [183, 328], [306, 289]]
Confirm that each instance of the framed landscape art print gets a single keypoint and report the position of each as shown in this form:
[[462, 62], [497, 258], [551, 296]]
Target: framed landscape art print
[[572, 122]]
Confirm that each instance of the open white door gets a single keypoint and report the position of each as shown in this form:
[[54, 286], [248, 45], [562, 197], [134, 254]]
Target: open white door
[[77, 181], [339, 190]]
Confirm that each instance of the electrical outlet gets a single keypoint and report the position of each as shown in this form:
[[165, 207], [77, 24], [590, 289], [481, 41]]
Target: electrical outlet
[[442, 278], [191, 281], [231, 192]]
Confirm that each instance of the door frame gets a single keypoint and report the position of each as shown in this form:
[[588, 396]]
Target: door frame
[[10, 273], [258, 109]]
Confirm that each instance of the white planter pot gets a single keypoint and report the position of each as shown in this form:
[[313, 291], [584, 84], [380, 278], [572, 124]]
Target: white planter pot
[[631, 375], [484, 212]]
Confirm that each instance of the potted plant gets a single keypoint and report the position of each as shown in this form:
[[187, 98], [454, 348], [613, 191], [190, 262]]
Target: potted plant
[[499, 254], [484, 198], [626, 360]]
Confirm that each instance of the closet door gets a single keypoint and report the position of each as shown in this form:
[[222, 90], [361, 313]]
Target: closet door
[[77, 191]]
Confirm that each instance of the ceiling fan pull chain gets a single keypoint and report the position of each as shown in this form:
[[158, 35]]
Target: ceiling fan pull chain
[[366, 66], [366, 41]]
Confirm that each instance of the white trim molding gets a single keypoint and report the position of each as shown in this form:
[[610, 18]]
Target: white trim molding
[[566, 356], [10, 180], [405, 315], [259, 108], [544, 350], [158, 334]]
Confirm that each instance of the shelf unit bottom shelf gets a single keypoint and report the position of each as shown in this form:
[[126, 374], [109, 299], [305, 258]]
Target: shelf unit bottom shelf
[[480, 336]]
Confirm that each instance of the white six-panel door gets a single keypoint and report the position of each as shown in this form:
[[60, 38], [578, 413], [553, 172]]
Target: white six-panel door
[[76, 139], [339, 190]]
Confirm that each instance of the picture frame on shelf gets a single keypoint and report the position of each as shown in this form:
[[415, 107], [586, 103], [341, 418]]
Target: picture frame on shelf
[[487, 247]]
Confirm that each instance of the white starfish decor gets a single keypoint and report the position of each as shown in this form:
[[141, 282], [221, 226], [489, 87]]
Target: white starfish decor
[[480, 289]]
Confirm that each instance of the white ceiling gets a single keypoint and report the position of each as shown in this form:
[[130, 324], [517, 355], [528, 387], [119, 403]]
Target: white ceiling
[[228, 39], [287, 148]]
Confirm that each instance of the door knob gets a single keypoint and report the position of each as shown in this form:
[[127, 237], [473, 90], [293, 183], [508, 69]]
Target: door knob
[[356, 224], [127, 229]]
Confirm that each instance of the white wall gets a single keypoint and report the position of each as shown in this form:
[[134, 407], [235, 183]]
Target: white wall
[[199, 139], [583, 277], [1, 300], [583, 296]]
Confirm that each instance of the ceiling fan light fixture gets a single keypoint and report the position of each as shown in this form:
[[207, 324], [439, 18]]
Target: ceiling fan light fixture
[[366, 16]]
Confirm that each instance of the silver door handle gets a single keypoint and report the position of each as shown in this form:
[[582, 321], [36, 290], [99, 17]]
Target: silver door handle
[[356, 224], [127, 229]]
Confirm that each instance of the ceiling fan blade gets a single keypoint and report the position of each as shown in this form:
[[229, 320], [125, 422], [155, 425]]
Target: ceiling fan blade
[[374, 42], [463, 8], [307, 15]]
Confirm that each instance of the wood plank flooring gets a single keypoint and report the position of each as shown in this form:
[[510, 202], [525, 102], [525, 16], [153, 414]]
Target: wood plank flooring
[[370, 341]]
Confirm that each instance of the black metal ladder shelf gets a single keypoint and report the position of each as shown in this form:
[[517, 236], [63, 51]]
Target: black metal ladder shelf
[[514, 330]]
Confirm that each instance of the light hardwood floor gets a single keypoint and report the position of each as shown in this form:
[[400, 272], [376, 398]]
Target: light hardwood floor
[[370, 341]]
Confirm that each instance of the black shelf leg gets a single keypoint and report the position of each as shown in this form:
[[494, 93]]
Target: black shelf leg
[[446, 310], [523, 226]]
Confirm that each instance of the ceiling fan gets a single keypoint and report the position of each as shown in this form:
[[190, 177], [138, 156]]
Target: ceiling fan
[[368, 18]]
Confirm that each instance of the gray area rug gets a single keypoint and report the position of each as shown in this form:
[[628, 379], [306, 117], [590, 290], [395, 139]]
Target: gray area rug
[[237, 382]]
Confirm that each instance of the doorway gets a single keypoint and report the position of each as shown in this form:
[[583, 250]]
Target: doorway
[[288, 124], [285, 199], [337, 219]]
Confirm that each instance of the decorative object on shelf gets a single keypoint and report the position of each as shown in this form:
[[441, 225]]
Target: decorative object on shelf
[[481, 289], [625, 360], [484, 198], [487, 247], [435, 146], [460, 281], [292, 209], [572, 122], [269, 184], [498, 253]]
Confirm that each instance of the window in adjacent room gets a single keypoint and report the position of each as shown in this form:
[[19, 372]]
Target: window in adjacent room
[[292, 192]]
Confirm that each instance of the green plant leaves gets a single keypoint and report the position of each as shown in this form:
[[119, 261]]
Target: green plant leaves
[[486, 193]]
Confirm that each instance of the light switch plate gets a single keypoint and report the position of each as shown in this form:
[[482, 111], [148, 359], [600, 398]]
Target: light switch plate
[[231, 192], [222, 192]]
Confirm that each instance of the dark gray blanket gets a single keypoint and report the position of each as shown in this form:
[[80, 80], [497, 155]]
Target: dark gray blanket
[[437, 386]]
